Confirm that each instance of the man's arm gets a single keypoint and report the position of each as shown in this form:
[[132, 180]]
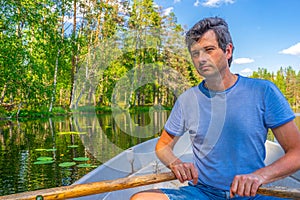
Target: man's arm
[[288, 137], [164, 151]]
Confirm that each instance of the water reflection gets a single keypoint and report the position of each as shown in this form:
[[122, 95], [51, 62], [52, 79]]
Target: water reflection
[[103, 139], [110, 135], [22, 143]]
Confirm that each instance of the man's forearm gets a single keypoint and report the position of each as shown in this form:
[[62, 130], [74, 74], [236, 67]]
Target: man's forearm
[[288, 137], [166, 155], [164, 151], [283, 167]]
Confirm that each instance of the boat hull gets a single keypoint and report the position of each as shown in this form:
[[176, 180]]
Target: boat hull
[[141, 159]]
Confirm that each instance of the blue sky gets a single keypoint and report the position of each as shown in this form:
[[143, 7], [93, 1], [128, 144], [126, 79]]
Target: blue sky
[[265, 33]]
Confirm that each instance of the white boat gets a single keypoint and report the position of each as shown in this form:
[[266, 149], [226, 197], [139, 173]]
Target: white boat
[[141, 160]]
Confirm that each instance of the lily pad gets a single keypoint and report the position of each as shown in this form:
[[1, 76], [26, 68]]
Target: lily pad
[[51, 149], [71, 133], [44, 158], [73, 146], [42, 162], [67, 164], [81, 159], [40, 149], [86, 165]]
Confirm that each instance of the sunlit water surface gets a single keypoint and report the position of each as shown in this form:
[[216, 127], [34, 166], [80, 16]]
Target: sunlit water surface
[[101, 138], [98, 138]]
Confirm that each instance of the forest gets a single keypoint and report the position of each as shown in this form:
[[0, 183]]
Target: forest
[[62, 56]]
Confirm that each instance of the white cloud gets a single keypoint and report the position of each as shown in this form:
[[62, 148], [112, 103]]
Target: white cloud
[[167, 11], [177, 1], [197, 3], [293, 50], [155, 5], [243, 61], [216, 3], [246, 72]]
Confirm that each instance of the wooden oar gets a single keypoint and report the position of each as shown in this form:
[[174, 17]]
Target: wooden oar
[[79, 190]]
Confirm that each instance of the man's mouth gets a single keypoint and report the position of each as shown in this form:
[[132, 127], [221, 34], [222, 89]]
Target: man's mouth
[[203, 67]]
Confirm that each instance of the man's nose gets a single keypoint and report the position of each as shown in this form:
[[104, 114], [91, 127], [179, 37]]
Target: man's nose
[[202, 58]]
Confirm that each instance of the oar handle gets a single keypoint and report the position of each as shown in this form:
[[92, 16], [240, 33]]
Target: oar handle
[[79, 190]]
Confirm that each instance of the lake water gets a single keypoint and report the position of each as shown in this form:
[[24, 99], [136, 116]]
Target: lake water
[[96, 137]]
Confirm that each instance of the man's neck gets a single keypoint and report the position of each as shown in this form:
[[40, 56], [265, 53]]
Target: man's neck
[[220, 83]]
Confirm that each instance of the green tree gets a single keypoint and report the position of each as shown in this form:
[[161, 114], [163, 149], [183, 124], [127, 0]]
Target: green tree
[[280, 80], [290, 92]]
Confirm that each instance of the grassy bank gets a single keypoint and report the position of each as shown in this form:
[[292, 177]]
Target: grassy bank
[[59, 111]]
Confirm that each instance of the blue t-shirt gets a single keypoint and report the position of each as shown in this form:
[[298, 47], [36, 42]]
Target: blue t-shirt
[[228, 129]]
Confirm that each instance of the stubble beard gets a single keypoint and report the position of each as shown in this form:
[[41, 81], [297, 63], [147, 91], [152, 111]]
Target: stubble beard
[[209, 72]]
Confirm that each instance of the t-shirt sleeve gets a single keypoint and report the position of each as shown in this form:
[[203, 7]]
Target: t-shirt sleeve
[[175, 122], [277, 108]]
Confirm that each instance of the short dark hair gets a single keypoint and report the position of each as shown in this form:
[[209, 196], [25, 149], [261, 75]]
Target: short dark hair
[[220, 28]]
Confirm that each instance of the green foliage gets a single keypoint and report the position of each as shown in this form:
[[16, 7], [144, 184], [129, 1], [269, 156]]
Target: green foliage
[[71, 133], [44, 158], [3, 113], [86, 165], [48, 65], [43, 162], [67, 164], [59, 111], [73, 146], [81, 159], [270, 136], [287, 80]]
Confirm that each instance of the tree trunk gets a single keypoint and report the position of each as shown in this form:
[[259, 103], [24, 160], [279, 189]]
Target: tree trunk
[[3, 93], [73, 71], [54, 83]]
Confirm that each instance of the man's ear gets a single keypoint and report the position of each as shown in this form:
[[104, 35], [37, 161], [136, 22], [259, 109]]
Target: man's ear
[[229, 49]]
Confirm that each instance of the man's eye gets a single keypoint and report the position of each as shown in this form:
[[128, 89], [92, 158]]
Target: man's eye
[[195, 54]]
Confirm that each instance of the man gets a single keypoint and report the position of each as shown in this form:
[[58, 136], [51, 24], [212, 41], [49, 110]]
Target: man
[[227, 117]]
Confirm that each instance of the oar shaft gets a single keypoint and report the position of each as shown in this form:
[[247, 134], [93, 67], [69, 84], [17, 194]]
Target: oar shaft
[[280, 192], [79, 190]]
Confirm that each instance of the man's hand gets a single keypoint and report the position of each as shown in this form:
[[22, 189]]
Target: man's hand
[[164, 151], [246, 185], [184, 171]]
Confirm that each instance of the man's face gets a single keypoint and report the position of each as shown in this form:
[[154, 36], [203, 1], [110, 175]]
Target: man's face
[[208, 58]]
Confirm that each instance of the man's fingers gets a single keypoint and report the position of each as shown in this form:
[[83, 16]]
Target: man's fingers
[[194, 175], [245, 185], [185, 171], [181, 175], [188, 173], [238, 185], [256, 184], [233, 188], [179, 172], [248, 189], [191, 172]]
